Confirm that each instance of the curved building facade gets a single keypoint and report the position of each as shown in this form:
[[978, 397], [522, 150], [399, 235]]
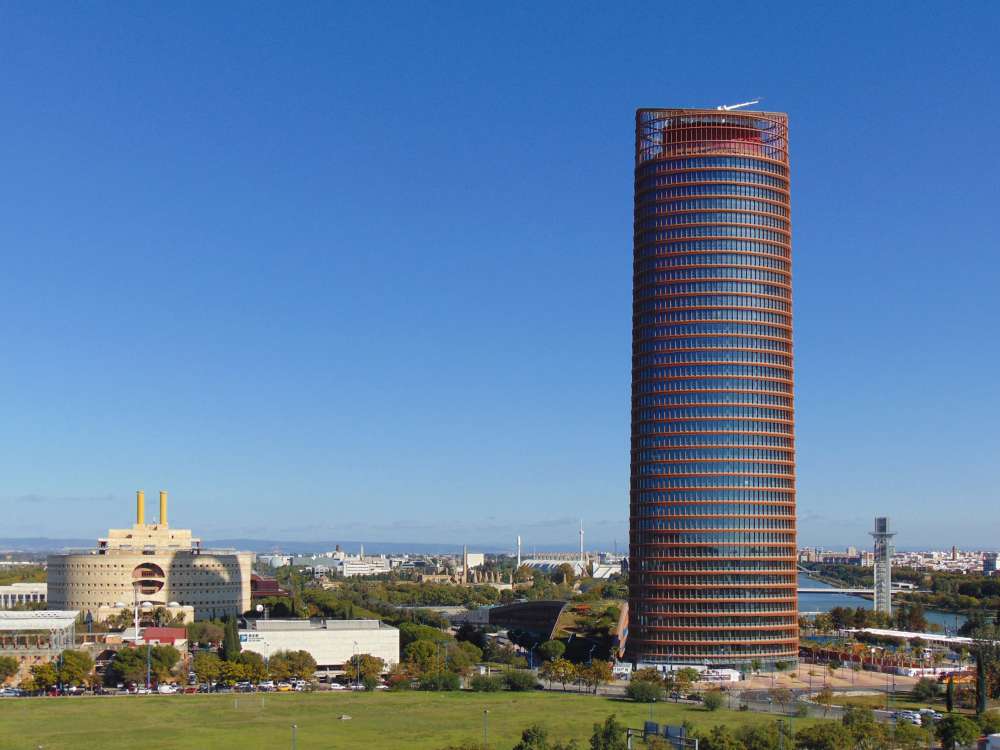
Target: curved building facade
[[154, 565], [712, 498]]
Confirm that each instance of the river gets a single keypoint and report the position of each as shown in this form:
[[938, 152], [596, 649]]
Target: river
[[825, 602]]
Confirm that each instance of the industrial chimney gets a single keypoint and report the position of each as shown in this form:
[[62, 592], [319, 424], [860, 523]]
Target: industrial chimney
[[163, 507], [140, 508]]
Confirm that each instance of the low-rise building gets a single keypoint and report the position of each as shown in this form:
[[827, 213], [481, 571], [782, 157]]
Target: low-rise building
[[36, 637], [331, 643], [19, 594]]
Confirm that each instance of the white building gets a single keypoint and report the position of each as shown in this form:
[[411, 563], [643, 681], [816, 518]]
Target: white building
[[22, 593], [331, 643]]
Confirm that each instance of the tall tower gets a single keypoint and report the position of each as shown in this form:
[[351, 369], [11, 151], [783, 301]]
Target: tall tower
[[883, 565], [712, 575]]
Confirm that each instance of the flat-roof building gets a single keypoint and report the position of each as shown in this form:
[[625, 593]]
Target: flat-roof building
[[20, 594], [154, 563], [331, 643]]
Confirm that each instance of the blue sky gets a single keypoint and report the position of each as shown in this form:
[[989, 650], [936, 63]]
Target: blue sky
[[363, 271]]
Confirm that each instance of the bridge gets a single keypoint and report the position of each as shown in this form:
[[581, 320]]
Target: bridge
[[828, 590]]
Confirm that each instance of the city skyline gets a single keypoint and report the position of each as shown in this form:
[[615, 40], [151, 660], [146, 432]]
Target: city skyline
[[276, 287]]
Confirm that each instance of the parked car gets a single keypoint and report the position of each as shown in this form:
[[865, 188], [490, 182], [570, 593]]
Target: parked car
[[284, 687], [337, 686], [166, 689]]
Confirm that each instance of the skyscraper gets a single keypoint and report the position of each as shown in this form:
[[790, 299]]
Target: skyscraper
[[712, 576]]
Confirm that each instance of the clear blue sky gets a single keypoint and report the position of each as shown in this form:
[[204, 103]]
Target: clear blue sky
[[334, 271]]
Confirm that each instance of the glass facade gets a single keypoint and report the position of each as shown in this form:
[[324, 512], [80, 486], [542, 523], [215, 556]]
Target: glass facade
[[712, 576]]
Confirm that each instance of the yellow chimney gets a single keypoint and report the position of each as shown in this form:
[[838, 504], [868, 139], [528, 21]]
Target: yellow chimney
[[163, 507], [140, 508]]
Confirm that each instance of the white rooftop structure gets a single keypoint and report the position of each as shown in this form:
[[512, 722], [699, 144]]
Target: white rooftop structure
[[45, 619]]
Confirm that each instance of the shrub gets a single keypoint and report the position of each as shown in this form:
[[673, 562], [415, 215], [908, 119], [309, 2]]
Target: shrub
[[713, 700], [519, 680], [644, 691], [483, 683], [440, 681], [926, 689]]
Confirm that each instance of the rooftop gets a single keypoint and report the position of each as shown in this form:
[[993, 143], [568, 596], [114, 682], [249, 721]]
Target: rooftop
[[279, 625], [49, 619]]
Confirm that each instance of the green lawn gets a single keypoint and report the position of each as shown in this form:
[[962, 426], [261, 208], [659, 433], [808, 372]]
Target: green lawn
[[412, 720]]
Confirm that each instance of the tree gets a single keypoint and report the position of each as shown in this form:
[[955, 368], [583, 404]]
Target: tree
[[825, 698], [231, 672], [644, 691], [75, 668], [989, 722], [686, 677], [230, 640], [719, 737], [254, 669], [596, 674], [907, 736], [286, 664], [8, 668], [552, 650], [764, 736], [559, 670], [422, 655], [713, 700], [205, 632], [206, 667], [611, 735], [44, 676], [781, 697], [868, 734], [128, 666], [537, 738], [926, 689], [956, 730], [826, 735], [949, 696], [647, 674], [163, 659], [365, 665]]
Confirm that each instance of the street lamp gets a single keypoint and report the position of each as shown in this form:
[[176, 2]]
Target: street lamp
[[295, 731], [357, 666], [486, 726]]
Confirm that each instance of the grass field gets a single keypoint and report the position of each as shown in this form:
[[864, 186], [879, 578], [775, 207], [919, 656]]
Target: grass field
[[414, 721]]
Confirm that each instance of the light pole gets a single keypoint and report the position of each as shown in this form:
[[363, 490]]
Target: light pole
[[357, 667], [486, 727], [295, 731]]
